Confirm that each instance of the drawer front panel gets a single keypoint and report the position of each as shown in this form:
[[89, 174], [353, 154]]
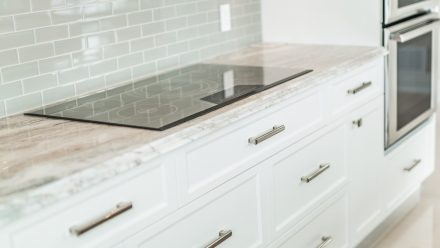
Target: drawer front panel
[[410, 163], [306, 176], [208, 164], [93, 220], [231, 220], [330, 227], [352, 92]]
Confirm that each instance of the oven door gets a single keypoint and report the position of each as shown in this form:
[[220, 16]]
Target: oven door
[[412, 77], [396, 10]]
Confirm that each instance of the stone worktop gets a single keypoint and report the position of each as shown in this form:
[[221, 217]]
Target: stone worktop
[[43, 161]]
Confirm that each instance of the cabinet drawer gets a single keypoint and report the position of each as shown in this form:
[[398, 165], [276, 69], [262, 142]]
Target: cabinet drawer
[[230, 216], [95, 221], [330, 227], [352, 92], [411, 162], [210, 163], [303, 178]]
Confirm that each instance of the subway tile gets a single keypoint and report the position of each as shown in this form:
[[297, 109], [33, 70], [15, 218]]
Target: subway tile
[[70, 45], [164, 13], [140, 17], [129, 33], [207, 5], [82, 28], [10, 90], [197, 19], [52, 33], [144, 71], [2, 109], [154, 54], [116, 50], [103, 67], [124, 6], [33, 20], [9, 7], [66, 15], [177, 48], [36, 52], [55, 64], [118, 77], [17, 39], [113, 22], [148, 4], [58, 94], [100, 39], [176, 23], [38, 5], [153, 28], [40, 83], [6, 24], [142, 44], [168, 63], [98, 9], [90, 85], [17, 72], [186, 9], [72, 75], [87, 56], [189, 58], [165, 39], [23, 103], [188, 33], [9, 57], [130, 60]]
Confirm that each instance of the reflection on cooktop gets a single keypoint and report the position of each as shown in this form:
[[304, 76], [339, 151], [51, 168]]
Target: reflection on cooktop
[[166, 100]]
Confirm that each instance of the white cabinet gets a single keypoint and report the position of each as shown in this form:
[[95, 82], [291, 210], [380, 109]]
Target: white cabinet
[[365, 151], [231, 216]]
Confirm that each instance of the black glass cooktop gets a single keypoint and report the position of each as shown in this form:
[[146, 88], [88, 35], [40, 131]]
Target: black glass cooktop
[[166, 100]]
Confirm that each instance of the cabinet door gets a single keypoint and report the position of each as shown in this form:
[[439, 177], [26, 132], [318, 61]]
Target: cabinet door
[[366, 169]]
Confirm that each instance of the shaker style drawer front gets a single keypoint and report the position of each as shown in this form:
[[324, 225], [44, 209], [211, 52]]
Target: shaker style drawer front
[[355, 90], [208, 164], [141, 200], [327, 230], [410, 163], [231, 220], [304, 177]]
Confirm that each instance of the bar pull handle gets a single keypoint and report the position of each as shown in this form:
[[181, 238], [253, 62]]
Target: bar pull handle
[[326, 240], [223, 235], [356, 90], [274, 131], [309, 178], [358, 123], [414, 165], [79, 230]]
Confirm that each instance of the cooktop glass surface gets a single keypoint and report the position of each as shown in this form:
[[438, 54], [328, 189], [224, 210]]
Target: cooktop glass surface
[[166, 100]]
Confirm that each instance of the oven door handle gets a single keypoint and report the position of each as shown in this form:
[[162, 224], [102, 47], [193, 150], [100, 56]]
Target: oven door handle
[[416, 32]]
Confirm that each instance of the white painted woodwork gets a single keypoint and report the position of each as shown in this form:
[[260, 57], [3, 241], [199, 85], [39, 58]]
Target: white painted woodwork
[[323, 21]]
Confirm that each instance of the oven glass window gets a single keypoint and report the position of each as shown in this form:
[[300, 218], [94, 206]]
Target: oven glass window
[[404, 3], [414, 78]]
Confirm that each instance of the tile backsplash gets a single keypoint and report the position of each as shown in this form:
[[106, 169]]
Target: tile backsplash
[[51, 50]]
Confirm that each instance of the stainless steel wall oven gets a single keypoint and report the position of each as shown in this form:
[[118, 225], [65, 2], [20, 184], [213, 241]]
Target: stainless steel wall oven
[[412, 74], [395, 10]]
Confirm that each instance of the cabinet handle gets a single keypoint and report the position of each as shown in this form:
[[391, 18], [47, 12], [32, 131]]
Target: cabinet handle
[[322, 168], [122, 207], [275, 130], [360, 88], [326, 240], [358, 123], [223, 235], [414, 165]]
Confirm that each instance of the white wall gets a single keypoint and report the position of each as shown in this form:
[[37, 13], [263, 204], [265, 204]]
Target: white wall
[[354, 22]]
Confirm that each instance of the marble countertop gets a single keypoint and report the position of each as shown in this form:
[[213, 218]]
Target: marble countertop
[[43, 161]]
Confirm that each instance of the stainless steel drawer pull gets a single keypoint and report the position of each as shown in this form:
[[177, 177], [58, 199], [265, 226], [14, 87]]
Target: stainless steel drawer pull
[[122, 207], [360, 88], [275, 130], [414, 165], [358, 123], [223, 235], [326, 240], [309, 178]]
